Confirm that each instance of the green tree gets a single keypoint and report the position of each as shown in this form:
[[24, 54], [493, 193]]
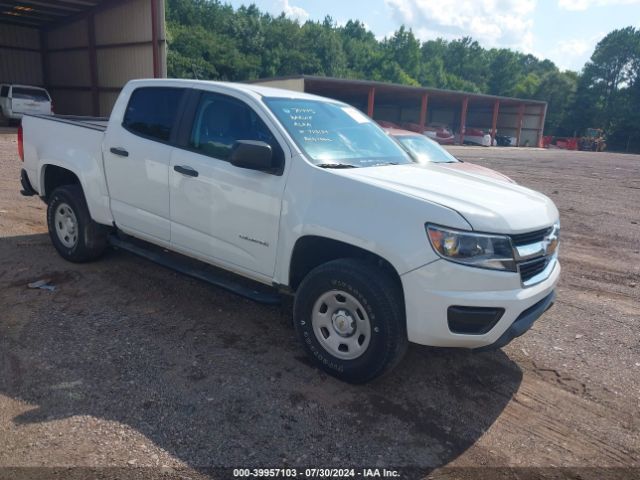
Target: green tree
[[504, 72], [615, 62], [527, 86], [558, 89], [322, 45], [362, 50], [403, 48], [468, 61], [605, 91]]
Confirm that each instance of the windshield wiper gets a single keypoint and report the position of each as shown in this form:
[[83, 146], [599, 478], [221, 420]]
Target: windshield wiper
[[382, 164], [335, 165]]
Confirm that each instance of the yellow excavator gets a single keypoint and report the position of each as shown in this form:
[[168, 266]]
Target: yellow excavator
[[594, 140]]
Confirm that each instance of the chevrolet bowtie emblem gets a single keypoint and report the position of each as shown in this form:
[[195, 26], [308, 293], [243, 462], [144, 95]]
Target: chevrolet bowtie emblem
[[551, 242]]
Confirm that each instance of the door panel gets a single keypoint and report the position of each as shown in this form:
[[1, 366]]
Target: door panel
[[228, 214], [136, 160], [139, 184], [225, 213]]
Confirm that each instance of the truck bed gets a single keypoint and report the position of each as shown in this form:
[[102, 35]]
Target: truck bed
[[73, 143], [95, 123]]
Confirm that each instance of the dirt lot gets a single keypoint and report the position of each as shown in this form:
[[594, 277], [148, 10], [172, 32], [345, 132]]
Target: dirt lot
[[127, 364]]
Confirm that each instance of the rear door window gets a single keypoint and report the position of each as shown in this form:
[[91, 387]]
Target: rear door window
[[152, 112], [34, 94], [4, 91]]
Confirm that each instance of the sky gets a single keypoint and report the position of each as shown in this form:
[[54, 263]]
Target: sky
[[564, 31]]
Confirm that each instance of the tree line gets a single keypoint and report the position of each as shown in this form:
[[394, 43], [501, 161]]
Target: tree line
[[211, 40]]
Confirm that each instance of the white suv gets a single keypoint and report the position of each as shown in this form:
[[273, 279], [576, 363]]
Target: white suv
[[16, 100]]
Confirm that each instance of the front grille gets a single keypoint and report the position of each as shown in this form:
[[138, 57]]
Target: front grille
[[547, 239], [532, 268], [530, 237]]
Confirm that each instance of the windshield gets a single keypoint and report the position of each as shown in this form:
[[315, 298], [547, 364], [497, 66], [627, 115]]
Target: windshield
[[424, 150], [332, 134]]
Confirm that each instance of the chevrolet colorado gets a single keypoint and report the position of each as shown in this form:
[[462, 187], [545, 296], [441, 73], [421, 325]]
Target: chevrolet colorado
[[305, 195]]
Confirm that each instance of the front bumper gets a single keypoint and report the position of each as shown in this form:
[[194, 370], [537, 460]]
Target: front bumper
[[522, 323], [432, 289]]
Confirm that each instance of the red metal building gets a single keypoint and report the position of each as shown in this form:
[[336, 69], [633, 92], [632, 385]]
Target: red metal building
[[515, 117]]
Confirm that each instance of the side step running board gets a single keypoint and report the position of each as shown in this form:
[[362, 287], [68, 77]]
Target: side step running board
[[188, 267]]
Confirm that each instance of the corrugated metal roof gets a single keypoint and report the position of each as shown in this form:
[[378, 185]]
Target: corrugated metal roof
[[44, 13], [345, 85]]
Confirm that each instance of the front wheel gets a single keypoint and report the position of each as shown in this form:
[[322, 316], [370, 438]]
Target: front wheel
[[349, 315]]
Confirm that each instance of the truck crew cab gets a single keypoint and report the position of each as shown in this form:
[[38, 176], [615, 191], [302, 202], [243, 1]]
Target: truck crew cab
[[307, 196]]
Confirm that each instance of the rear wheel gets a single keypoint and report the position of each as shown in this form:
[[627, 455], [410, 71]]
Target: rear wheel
[[349, 315], [74, 234]]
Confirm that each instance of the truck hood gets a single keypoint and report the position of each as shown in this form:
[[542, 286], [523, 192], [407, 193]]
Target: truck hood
[[489, 205], [477, 169]]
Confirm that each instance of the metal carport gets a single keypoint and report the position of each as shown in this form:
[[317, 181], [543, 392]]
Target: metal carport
[[82, 51], [521, 118]]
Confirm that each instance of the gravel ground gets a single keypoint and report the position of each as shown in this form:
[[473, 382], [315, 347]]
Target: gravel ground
[[128, 365]]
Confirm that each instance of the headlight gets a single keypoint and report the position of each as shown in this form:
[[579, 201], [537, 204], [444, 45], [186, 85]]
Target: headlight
[[473, 249]]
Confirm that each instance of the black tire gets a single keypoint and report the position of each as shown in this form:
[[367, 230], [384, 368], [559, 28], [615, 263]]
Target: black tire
[[91, 238], [381, 298]]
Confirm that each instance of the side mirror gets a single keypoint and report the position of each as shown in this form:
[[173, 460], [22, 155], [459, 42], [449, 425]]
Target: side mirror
[[252, 154]]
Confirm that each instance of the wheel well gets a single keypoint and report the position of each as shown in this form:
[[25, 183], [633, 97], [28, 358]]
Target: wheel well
[[311, 252], [55, 177]]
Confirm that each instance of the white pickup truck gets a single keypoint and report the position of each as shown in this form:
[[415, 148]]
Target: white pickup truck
[[302, 195]]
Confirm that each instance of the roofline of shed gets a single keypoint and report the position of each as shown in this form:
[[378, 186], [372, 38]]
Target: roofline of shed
[[395, 86], [83, 11]]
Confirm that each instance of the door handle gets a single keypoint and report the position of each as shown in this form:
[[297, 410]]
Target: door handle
[[184, 170], [119, 151]]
